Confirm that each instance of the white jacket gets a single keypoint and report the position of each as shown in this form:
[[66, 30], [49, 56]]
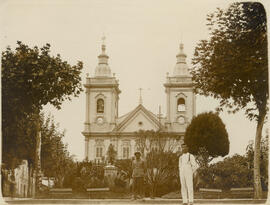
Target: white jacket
[[188, 160]]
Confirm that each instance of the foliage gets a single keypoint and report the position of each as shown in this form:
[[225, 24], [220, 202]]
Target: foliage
[[207, 137], [55, 159], [19, 141], [111, 154], [86, 175], [31, 78], [162, 172], [142, 140], [162, 165], [263, 160], [149, 140], [120, 183], [232, 172], [125, 165], [71, 179], [236, 171], [232, 66]]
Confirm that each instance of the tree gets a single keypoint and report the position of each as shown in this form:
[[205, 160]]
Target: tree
[[232, 66], [55, 159], [207, 137], [231, 172], [19, 142], [162, 174], [147, 140], [162, 166], [143, 140], [89, 175], [263, 160], [31, 78]]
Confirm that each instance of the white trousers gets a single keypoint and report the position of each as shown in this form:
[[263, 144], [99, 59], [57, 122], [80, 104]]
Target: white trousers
[[186, 179]]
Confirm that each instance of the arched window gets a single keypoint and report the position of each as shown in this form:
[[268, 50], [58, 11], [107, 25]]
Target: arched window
[[99, 152], [100, 106], [126, 152], [181, 106], [99, 145]]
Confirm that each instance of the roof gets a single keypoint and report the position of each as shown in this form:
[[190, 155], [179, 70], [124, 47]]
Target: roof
[[125, 119]]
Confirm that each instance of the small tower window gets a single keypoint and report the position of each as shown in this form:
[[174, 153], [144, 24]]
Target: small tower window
[[100, 106], [181, 106]]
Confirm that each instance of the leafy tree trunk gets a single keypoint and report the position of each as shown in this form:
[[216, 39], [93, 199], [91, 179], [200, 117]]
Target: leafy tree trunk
[[37, 156], [257, 154], [62, 182]]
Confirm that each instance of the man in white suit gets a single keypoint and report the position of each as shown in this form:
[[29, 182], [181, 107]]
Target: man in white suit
[[187, 168]]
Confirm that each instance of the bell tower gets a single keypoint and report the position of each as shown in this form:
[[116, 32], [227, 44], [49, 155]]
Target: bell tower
[[180, 95], [102, 96]]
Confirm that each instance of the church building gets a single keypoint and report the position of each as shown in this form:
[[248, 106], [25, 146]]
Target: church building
[[104, 127]]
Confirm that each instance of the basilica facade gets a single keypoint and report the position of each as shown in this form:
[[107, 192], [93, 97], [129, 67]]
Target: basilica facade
[[104, 127]]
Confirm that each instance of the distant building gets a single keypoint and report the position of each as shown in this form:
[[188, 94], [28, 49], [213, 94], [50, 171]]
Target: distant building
[[15, 183], [103, 126], [21, 179]]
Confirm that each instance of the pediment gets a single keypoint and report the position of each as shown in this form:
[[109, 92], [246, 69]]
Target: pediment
[[139, 119]]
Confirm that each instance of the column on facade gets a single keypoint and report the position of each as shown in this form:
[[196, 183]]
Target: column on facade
[[117, 99], [119, 149], [112, 106], [168, 105], [87, 114]]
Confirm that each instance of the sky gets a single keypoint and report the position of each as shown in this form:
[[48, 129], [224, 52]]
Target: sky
[[142, 40]]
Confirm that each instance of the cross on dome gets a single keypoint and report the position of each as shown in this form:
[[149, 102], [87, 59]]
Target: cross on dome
[[103, 46], [182, 47], [140, 99], [103, 39]]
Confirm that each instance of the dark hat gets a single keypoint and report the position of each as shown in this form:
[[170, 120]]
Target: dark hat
[[184, 145], [137, 153]]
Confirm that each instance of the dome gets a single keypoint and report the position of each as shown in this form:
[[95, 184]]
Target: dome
[[103, 69], [181, 67]]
